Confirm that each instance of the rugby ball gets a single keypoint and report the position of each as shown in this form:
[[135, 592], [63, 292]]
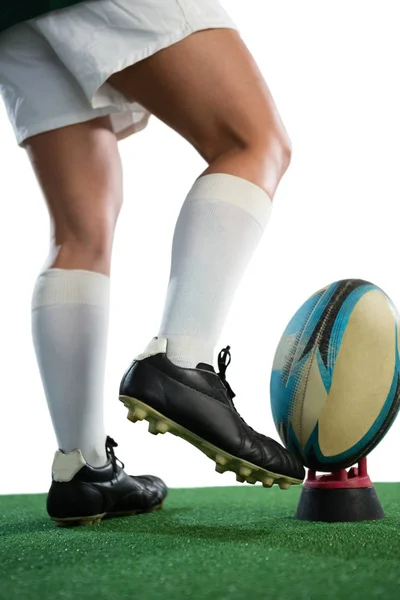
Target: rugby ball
[[335, 383]]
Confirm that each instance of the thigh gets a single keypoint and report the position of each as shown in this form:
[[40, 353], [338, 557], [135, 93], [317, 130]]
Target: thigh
[[209, 89], [79, 171]]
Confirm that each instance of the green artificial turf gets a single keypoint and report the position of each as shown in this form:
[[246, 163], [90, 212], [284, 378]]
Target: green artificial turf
[[213, 543]]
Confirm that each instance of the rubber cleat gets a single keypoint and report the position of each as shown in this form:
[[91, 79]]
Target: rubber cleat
[[153, 428], [245, 471], [82, 522], [221, 460], [284, 485], [141, 414], [162, 427], [268, 482], [132, 416], [220, 468], [240, 479], [81, 495]]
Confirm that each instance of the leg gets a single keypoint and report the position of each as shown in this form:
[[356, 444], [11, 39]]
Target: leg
[[210, 91], [78, 168], [79, 171], [223, 107]]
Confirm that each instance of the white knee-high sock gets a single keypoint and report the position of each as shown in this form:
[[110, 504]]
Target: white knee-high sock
[[217, 232], [70, 311]]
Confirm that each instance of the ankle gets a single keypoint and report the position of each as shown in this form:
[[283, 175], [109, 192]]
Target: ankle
[[188, 352]]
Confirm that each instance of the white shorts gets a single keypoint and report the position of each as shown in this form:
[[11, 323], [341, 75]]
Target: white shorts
[[54, 68]]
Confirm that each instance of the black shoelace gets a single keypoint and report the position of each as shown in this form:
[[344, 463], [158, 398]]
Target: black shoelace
[[110, 445], [222, 366], [224, 360]]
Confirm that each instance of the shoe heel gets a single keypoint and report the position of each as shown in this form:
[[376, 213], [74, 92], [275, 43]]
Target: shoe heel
[[75, 503]]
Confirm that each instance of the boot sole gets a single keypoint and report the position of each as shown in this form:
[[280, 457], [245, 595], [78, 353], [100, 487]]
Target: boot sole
[[245, 471], [96, 519]]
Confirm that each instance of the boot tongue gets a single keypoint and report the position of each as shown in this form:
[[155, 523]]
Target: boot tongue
[[205, 367]]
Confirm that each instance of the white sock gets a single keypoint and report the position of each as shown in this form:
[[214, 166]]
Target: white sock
[[70, 327], [218, 230]]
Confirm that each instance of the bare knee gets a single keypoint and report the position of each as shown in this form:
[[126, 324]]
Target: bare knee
[[260, 153], [84, 244], [273, 147], [92, 238], [261, 156], [283, 152]]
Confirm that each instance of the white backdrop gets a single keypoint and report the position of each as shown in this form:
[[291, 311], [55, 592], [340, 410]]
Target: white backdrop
[[333, 68]]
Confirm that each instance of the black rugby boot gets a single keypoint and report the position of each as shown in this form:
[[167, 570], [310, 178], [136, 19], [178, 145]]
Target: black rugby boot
[[197, 405], [83, 495]]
